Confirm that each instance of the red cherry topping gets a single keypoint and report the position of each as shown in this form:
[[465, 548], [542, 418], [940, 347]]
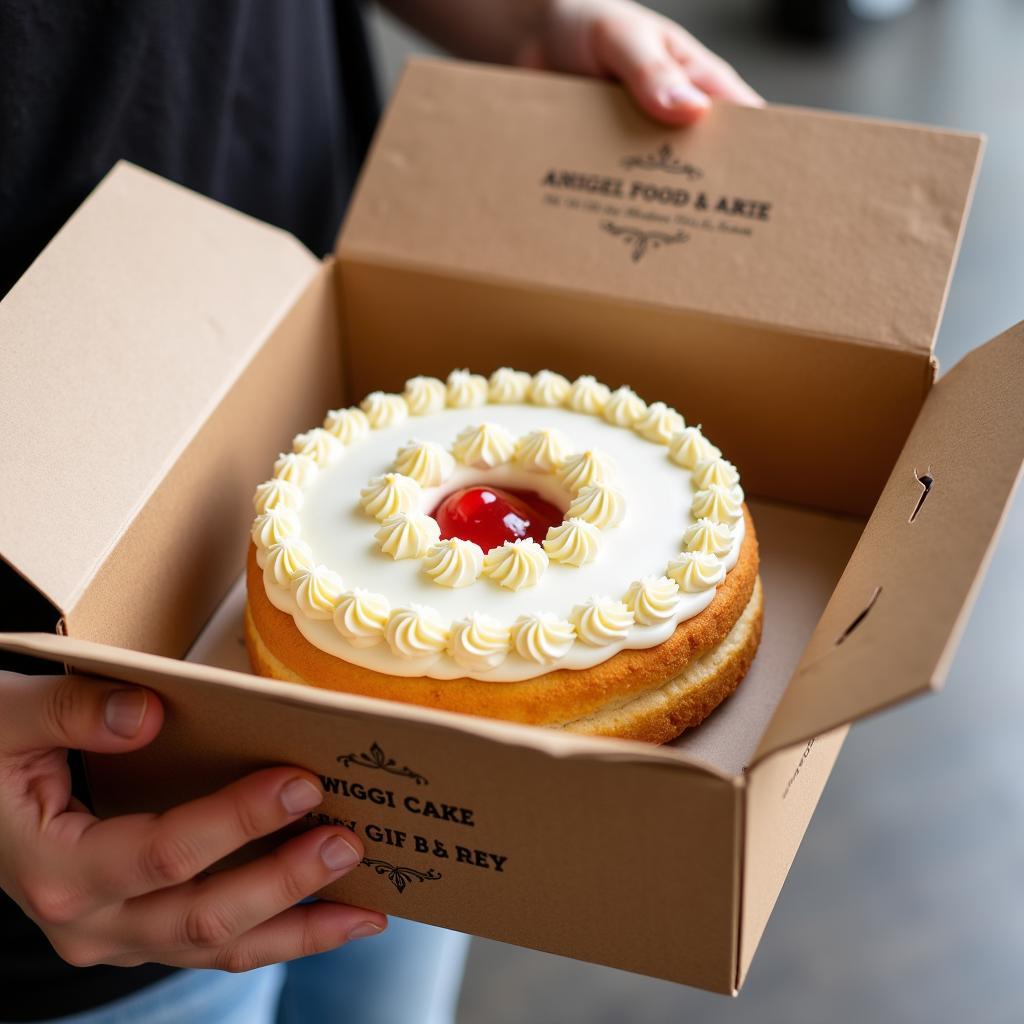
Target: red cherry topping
[[489, 516]]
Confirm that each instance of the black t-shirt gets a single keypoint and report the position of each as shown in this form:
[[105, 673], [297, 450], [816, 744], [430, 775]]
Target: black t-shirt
[[266, 105]]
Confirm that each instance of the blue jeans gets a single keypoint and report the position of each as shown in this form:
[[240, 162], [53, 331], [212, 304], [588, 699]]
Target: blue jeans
[[411, 972]]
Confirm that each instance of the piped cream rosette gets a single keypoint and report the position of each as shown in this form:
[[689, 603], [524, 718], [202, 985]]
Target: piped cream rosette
[[652, 522]]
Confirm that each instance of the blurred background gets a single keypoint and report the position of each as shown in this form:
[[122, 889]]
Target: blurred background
[[906, 900]]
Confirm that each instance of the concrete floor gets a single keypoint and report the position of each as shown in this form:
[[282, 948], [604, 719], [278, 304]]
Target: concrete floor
[[906, 901]]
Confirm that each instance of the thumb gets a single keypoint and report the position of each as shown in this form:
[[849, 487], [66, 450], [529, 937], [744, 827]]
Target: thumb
[[634, 51], [101, 715]]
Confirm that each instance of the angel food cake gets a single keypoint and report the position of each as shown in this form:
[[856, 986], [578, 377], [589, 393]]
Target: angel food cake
[[520, 547]]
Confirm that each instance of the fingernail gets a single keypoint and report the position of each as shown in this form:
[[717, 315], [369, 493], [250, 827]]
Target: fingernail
[[124, 712], [338, 855], [299, 795], [365, 930], [683, 94]]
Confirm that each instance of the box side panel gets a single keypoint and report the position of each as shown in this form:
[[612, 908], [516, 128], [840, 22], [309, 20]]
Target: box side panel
[[781, 795], [183, 548], [752, 389], [615, 862], [895, 618]]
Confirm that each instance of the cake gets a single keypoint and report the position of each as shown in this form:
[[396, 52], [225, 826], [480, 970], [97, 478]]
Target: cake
[[520, 547]]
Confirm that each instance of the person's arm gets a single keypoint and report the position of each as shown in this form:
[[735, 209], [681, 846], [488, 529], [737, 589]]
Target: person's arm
[[670, 74], [131, 889]]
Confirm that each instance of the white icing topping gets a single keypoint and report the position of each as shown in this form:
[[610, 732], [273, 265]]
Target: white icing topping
[[479, 642], [548, 388], [347, 425], [708, 537], [624, 407], [587, 395], [416, 631], [507, 386], [542, 637], [601, 620], [274, 525], [425, 461], [542, 451], [320, 445], [573, 542], [296, 469], [644, 541], [718, 503], [424, 395], [276, 493], [690, 446], [407, 535], [389, 494], [466, 390], [642, 531], [715, 471], [652, 600], [454, 562], [695, 571], [659, 423], [286, 561], [384, 409], [516, 564], [361, 617], [317, 591], [484, 445], [583, 468], [600, 504]]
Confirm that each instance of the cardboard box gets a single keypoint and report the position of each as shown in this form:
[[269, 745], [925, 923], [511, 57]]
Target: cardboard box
[[163, 348]]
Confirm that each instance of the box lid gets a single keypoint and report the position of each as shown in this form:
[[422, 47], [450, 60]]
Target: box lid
[[171, 295], [816, 223], [892, 625]]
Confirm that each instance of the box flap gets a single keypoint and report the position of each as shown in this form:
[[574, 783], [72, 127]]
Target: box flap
[[118, 342], [894, 621], [804, 221]]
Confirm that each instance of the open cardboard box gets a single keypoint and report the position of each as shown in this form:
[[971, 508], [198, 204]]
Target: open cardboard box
[[777, 274]]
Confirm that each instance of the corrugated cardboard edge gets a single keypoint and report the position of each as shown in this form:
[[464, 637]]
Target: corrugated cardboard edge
[[779, 801], [134, 666], [892, 626]]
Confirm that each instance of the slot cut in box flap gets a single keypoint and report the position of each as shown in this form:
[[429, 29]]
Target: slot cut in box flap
[[893, 623]]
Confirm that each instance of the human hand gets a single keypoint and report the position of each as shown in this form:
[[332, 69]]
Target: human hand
[[669, 73], [129, 890]]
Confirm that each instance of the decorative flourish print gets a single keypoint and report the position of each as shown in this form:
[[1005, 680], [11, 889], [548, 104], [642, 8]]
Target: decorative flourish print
[[642, 240], [664, 160], [377, 759], [399, 875]]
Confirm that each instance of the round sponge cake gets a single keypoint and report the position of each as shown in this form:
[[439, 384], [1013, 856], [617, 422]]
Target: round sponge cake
[[521, 548]]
